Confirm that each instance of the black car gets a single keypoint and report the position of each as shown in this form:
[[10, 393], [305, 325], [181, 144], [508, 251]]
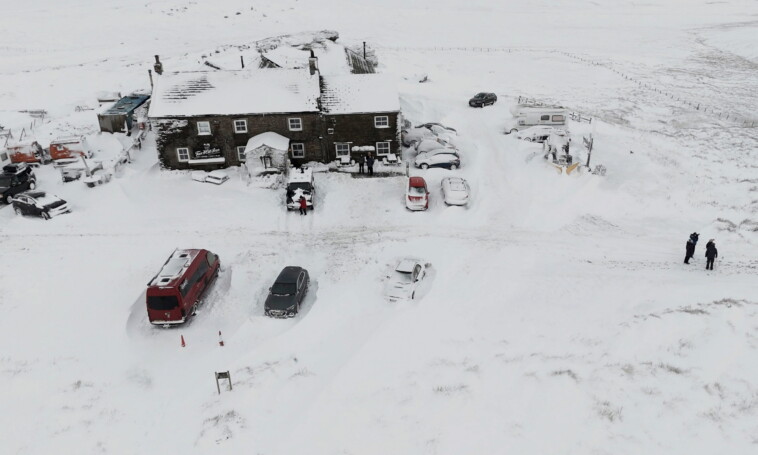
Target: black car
[[482, 99], [16, 179], [39, 203], [287, 293]]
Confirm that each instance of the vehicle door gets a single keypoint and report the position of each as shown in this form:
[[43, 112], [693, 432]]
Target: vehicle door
[[300, 287]]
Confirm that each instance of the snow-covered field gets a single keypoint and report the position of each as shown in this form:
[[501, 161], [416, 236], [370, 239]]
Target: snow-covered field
[[559, 317]]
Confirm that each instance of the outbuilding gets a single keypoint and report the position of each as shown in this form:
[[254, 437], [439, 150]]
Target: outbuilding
[[119, 118]]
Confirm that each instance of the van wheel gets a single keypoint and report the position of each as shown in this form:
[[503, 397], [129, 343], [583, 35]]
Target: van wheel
[[45, 216], [453, 167], [514, 130], [528, 139], [8, 199], [424, 166], [32, 185], [18, 211], [194, 310]]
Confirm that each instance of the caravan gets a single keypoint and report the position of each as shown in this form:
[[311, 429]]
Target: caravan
[[528, 115]]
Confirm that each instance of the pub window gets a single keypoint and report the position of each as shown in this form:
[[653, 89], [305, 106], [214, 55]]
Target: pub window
[[295, 124], [182, 154], [298, 150], [241, 152], [342, 149], [240, 126], [204, 128], [381, 121], [382, 148]]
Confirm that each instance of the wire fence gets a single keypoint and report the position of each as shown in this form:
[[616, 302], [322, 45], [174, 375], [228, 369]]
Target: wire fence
[[699, 106]]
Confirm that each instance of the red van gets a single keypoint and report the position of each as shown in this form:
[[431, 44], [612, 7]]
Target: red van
[[70, 147], [174, 293]]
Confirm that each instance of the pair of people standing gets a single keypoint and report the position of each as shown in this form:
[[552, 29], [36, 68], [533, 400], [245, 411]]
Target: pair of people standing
[[368, 162], [711, 253]]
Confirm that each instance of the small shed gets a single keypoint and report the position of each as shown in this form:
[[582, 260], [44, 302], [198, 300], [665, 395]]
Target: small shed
[[120, 117]]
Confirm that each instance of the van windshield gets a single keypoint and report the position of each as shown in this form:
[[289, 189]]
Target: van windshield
[[162, 302], [305, 186]]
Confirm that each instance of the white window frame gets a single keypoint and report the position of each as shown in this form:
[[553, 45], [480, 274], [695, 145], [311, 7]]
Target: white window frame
[[337, 149], [382, 121], [241, 152], [200, 132], [179, 154], [300, 146], [299, 122], [244, 126], [389, 148]]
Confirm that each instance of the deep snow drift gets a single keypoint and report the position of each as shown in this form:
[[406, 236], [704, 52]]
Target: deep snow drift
[[559, 318]]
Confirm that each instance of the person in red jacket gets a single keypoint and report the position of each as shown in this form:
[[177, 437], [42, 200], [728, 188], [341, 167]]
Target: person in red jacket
[[303, 206]]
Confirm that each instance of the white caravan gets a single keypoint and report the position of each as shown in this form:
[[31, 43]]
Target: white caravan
[[527, 115]]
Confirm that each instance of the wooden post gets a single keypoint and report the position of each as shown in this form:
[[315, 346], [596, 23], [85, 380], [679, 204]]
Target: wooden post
[[150, 73], [242, 61], [364, 50]]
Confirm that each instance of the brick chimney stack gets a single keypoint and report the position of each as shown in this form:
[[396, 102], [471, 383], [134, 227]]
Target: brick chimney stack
[[158, 66], [313, 63]]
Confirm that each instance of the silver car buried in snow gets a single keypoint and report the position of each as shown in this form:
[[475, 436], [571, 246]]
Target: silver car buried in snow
[[405, 279], [455, 191]]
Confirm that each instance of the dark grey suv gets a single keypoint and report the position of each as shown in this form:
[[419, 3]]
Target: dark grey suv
[[16, 179], [482, 99], [287, 293]]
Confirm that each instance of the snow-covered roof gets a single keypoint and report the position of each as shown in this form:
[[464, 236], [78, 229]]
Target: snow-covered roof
[[301, 175], [358, 93], [179, 261], [234, 92], [406, 265], [288, 57], [269, 138]]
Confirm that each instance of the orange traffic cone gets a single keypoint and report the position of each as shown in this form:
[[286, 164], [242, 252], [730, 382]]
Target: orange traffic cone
[[183, 343], [220, 340]]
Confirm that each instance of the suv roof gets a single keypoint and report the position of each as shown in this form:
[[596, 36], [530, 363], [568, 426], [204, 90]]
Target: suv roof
[[301, 175], [289, 274], [417, 182]]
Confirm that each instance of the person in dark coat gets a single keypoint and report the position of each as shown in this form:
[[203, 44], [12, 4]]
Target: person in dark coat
[[361, 163], [711, 253], [303, 206], [370, 164], [691, 247]]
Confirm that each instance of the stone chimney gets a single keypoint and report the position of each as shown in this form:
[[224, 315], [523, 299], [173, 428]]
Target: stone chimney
[[158, 66], [313, 63]]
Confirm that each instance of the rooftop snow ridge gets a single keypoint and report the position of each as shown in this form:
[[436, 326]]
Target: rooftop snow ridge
[[174, 267]]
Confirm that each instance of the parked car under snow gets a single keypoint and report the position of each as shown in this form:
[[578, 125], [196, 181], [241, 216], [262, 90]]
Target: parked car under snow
[[404, 280], [538, 133], [455, 191], [444, 158], [215, 177], [417, 194]]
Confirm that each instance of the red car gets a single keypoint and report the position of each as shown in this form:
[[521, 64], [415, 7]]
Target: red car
[[417, 195], [174, 293]]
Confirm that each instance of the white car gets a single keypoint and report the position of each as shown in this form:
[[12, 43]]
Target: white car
[[411, 136], [455, 191], [538, 133], [405, 279], [446, 158], [215, 177], [427, 145]]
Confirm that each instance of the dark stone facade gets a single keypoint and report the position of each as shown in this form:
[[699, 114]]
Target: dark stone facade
[[320, 133]]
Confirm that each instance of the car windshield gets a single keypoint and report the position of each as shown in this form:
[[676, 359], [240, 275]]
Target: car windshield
[[480, 95], [283, 288], [404, 277], [457, 186], [47, 200], [162, 302], [5, 181], [416, 191], [305, 186]]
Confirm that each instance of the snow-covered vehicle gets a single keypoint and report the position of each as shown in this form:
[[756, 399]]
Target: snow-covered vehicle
[[439, 128], [405, 279], [445, 158], [431, 144], [538, 133], [174, 294], [39, 203], [300, 185], [215, 177], [527, 115], [15, 179], [455, 191], [417, 194], [411, 136]]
